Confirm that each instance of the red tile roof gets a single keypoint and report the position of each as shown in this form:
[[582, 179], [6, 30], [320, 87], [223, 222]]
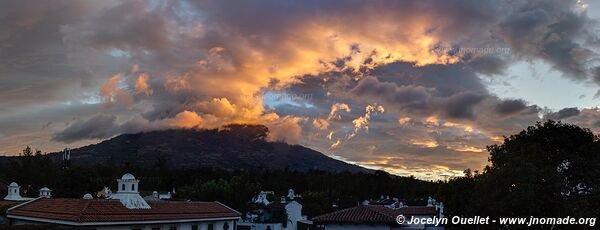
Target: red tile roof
[[369, 214], [100, 210], [8, 203]]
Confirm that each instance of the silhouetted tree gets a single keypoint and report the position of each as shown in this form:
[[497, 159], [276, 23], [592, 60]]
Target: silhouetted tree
[[550, 169]]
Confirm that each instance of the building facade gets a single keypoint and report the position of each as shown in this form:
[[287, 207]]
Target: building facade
[[125, 210], [380, 214], [282, 214]]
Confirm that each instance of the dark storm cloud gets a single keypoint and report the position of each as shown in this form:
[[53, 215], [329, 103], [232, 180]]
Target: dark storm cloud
[[563, 113], [97, 127], [556, 31], [511, 106], [416, 98], [489, 65], [410, 96], [34, 63], [206, 60], [460, 105]]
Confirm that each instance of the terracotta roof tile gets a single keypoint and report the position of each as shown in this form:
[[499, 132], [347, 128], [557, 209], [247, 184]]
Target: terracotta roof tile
[[4, 203], [360, 214], [366, 214], [98, 210]]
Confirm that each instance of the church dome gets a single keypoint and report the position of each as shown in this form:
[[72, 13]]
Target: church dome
[[45, 189], [13, 184], [127, 176]]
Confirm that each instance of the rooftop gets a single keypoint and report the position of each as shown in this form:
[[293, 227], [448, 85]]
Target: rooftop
[[128, 176], [8, 203], [102, 211], [369, 214]]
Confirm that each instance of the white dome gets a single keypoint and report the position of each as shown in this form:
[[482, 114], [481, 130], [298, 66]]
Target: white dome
[[13, 184], [44, 189], [88, 196], [127, 176]]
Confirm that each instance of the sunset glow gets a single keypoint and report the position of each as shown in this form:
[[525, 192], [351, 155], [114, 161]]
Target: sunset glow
[[410, 87]]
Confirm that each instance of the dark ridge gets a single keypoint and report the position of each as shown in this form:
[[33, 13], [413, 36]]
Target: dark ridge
[[236, 147]]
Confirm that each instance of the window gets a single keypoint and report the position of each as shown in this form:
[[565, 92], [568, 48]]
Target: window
[[211, 227], [155, 228], [194, 227], [173, 228], [123, 187], [132, 187], [226, 226]]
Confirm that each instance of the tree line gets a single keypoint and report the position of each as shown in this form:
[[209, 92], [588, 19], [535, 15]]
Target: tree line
[[550, 169]]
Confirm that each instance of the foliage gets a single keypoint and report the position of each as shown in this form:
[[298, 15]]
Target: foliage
[[235, 188], [548, 170]]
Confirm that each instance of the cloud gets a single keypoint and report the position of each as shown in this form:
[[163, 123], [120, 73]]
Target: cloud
[[460, 105], [490, 65], [555, 31], [363, 121], [142, 88], [321, 124], [335, 108], [404, 96], [418, 99], [563, 113], [97, 127], [286, 129], [511, 106], [186, 64], [111, 92]]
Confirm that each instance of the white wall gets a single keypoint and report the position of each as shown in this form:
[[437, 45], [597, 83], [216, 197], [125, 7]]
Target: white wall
[[218, 225], [356, 227], [263, 226], [294, 212]]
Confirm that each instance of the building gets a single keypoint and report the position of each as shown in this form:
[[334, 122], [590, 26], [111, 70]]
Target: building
[[125, 209], [14, 193], [282, 214], [380, 214]]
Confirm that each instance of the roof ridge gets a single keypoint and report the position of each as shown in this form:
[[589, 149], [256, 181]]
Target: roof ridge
[[231, 209], [24, 204]]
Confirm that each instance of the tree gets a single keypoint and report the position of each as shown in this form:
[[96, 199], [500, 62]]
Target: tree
[[550, 169]]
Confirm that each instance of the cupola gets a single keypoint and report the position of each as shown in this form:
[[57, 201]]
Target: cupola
[[14, 192], [45, 192], [128, 193]]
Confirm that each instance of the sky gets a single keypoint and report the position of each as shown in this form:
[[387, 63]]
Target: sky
[[411, 87]]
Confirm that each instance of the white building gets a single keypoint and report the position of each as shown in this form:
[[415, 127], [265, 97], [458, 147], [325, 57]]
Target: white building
[[263, 216], [125, 209], [380, 214], [14, 193]]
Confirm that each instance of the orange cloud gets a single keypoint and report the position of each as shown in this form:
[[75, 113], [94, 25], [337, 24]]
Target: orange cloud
[[335, 108], [112, 92], [424, 143], [141, 85], [321, 124]]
